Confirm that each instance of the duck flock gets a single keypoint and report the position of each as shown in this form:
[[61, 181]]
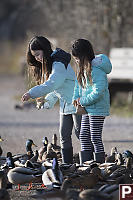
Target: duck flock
[[43, 167]]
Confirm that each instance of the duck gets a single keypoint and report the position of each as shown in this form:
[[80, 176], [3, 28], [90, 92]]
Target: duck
[[43, 148], [53, 178], [123, 169], [35, 157], [23, 175], [22, 158], [109, 168], [50, 153], [119, 159], [82, 181], [29, 145], [32, 162], [9, 161], [127, 154], [54, 143], [68, 169], [111, 157]]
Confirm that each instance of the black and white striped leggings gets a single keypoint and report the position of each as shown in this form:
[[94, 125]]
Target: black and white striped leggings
[[91, 133]]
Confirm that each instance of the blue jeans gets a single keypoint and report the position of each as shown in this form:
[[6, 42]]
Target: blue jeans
[[67, 122]]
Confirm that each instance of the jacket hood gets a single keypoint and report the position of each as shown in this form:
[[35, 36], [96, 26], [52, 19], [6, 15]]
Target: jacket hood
[[60, 55], [102, 61]]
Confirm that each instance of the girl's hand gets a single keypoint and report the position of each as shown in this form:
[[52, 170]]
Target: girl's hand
[[26, 97], [76, 102], [39, 102]]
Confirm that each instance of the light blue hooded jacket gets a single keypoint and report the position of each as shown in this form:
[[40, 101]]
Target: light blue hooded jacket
[[95, 97], [60, 84]]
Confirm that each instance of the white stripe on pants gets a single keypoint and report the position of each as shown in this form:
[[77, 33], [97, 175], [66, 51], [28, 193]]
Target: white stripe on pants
[[91, 133]]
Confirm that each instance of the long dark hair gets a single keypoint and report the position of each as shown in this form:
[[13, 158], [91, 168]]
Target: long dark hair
[[40, 43], [83, 50]]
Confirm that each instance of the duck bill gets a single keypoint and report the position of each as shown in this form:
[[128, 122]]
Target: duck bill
[[34, 145], [45, 142]]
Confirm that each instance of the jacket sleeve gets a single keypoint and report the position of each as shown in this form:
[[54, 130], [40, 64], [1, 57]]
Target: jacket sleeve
[[76, 91], [99, 84], [56, 79], [51, 98]]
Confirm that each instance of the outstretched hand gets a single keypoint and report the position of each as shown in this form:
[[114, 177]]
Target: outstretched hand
[[26, 97]]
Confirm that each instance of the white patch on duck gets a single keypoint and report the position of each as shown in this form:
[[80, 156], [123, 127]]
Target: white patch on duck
[[53, 178]]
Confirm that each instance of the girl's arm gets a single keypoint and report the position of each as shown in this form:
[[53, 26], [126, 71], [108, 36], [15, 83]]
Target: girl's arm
[[99, 84], [56, 79]]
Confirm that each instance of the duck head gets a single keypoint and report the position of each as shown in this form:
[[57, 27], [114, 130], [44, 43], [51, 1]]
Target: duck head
[[54, 139], [45, 142], [29, 144]]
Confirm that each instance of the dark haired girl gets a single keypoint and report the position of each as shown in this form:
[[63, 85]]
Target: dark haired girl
[[91, 91], [59, 83]]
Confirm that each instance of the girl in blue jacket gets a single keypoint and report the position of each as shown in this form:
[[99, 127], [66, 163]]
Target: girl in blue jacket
[[59, 84], [91, 91]]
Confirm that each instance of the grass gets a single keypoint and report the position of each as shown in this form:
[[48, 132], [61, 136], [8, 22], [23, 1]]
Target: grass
[[122, 104], [10, 57], [125, 111]]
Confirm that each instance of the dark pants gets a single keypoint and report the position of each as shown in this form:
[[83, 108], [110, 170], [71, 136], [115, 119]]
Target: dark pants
[[91, 133], [67, 122]]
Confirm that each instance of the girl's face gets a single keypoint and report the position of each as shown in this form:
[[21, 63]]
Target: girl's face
[[38, 54]]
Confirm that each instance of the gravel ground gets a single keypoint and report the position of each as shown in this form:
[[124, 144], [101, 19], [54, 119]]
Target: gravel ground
[[16, 126]]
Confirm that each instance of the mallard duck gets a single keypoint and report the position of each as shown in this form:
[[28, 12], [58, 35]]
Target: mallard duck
[[111, 157], [32, 163], [9, 161], [53, 178], [122, 169], [80, 181], [22, 175], [29, 144], [119, 159], [54, 143], [109, 168], [68, 169], [46, 165], [22, 158], [127, 154], [50, 153], [43, 148], [35, 157], [97, 171]]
